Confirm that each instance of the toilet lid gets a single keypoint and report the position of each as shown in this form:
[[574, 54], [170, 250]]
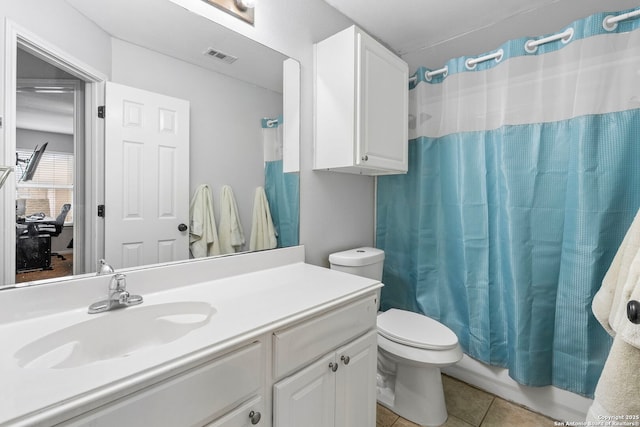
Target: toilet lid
[[415, 330]]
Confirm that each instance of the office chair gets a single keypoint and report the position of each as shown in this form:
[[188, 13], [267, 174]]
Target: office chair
[[59, 223]]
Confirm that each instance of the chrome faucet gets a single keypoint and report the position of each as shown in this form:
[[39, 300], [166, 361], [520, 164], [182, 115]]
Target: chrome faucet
[[104, 268], [118, 296]]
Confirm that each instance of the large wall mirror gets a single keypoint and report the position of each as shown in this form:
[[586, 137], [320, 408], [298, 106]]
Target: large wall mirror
[[69, 183]]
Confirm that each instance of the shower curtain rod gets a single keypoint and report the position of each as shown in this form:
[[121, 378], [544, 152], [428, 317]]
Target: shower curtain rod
[[532, 45], [428, 75], [472, 62], [609, 23]]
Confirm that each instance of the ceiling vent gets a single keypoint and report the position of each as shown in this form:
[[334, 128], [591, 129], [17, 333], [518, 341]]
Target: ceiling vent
[[220, 56]]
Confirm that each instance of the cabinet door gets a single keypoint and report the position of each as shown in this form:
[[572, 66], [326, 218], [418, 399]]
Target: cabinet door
[[356, 382], [307, 397], [382, 107]]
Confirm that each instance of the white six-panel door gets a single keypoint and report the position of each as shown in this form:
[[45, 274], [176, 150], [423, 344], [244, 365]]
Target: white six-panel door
[[146, 177]]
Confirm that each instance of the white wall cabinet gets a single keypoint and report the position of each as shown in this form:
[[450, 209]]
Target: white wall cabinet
[[338, 390], [361, 106]]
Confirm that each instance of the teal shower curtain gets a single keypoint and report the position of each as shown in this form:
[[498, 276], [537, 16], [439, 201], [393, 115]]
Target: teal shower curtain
[[282, 189], [524, 175]]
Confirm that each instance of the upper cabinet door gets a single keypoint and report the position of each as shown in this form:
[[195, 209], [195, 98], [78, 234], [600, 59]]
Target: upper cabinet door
[[361, 106], [381, 107]]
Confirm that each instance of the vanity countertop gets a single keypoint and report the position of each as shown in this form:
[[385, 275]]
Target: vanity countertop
[[247, 305]]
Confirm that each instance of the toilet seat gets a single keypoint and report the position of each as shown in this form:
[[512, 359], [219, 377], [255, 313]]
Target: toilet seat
[[415, 330]]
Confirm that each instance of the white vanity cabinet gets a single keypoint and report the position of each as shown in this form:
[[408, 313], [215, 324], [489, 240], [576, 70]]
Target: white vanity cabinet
[[338, 390], [301, 351], [338, 387], [361, 106], [228, 389]]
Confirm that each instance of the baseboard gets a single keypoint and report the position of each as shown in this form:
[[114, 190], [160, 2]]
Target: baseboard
[[551, 401]]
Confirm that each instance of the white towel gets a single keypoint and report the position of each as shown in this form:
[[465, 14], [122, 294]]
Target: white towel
[[263, 234], [621, 284], [230, 229], [616, 392], [617, 389], [203, 235]]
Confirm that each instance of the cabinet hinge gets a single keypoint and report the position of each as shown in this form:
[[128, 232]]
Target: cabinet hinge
[[101, 111]]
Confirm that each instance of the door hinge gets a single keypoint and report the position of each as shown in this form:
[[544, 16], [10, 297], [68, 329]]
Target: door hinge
[[101, 111], [101, 211]]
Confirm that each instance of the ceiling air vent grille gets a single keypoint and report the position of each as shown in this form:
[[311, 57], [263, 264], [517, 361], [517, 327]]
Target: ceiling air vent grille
[[220, 56]]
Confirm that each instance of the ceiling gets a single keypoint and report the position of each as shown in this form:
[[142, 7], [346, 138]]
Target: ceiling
[[38, 108], [429, 33], [177, 32]]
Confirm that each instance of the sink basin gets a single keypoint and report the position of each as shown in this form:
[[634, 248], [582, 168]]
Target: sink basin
[[115, 334]]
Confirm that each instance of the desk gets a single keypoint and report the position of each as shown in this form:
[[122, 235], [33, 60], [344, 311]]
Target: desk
[[33, 248], [46, 225], [33, 252]]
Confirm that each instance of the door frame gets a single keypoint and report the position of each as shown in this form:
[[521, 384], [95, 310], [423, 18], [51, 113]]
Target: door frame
[[79, 158], [93, 229]]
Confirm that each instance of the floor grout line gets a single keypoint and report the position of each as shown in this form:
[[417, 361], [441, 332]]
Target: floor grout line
[[398, 420], [493, 399]]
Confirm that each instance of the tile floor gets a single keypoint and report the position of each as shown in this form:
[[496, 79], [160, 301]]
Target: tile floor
[[472, 407]]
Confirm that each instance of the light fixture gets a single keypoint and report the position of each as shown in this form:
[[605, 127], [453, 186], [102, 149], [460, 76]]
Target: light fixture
[[245, 4], [243, 9]]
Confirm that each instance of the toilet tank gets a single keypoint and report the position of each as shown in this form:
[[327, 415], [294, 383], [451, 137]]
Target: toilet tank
[[365, 262]]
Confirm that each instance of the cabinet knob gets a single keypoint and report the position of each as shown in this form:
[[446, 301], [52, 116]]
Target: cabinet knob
[[365, 158], [345, 359], [333, 366], [255, 417]]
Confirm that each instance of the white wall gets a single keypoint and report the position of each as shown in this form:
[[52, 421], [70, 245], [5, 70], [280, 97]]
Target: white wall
[[225, 125], [58, 23], [336, 210], [28, 140], [51, 21]]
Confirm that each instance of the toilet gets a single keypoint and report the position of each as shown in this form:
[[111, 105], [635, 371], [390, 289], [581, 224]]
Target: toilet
[[411, 349]]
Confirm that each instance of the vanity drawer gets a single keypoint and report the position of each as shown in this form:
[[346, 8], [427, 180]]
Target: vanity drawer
[[193, 398], [244, 416], [295, 347]]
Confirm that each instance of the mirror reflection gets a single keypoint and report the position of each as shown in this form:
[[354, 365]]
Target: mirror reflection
[[223, 89]]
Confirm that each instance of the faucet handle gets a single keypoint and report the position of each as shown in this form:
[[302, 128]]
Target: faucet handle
[[123, 297], [118, 282]]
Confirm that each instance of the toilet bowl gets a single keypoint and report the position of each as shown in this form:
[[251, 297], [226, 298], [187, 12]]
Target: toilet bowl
[[411, 349]]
